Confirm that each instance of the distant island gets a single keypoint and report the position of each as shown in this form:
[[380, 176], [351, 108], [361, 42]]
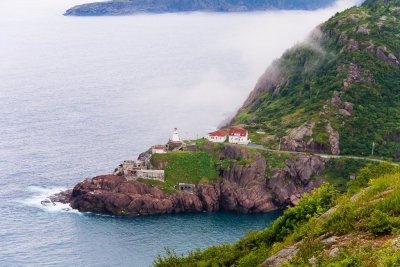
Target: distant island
[[129, 7]]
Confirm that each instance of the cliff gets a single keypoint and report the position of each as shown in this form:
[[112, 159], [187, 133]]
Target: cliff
[[113, 8], [243, 186], [338, 91]]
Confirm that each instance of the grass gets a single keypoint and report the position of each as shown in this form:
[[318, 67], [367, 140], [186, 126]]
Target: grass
[[185, 167], [165, 187]]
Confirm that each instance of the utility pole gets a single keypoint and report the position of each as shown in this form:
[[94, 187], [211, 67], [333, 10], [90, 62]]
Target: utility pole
[[373, 148]]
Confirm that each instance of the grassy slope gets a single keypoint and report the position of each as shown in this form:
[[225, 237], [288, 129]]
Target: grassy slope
[[311, 75], [375, 213], [185, 167]]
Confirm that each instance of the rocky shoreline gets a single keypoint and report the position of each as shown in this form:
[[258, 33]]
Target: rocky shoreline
[[243, 188]]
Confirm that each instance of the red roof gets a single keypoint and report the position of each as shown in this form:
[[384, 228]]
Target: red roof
[[217, 133], [241, 132], [159, 147]]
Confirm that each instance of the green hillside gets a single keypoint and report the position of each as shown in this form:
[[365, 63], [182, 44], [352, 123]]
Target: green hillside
[[338, 92], [360, 228], [344, 80]]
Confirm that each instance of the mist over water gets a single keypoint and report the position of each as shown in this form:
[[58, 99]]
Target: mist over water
[[80, 94]]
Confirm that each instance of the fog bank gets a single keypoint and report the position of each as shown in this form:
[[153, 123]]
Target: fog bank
[[143, 73]]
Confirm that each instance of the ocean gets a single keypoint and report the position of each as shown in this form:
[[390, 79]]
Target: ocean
[[78, 95]]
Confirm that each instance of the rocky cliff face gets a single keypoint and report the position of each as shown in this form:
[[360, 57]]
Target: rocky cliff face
[[302, 175], [243, 188]]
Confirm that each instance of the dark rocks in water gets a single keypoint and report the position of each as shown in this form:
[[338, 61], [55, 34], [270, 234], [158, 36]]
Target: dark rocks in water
[[244, 188], [62, 197], [118, 7]]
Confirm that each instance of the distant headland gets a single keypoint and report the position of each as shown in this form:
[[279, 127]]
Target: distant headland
[[129, 7]]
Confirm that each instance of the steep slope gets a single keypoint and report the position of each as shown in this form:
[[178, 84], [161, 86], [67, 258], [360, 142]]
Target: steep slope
[[360, 228], [120, 7], [338, 92]]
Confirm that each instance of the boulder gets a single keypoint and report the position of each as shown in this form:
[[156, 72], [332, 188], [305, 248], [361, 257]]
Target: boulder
[[282, 256]]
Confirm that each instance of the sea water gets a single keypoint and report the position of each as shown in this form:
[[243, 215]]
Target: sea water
[[80, 95]]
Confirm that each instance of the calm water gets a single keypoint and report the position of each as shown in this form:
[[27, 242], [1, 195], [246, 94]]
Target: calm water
[[79, 95]]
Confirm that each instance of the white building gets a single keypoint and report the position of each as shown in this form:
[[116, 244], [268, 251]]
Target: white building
[[175, 137], [216, 137], [239, 136], [158, 150]]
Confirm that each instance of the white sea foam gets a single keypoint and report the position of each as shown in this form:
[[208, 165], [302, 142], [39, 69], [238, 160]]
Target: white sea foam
[[41, 199]]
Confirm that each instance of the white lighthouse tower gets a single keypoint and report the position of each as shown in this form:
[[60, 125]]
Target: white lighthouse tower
[[175, 142], [175, 136]]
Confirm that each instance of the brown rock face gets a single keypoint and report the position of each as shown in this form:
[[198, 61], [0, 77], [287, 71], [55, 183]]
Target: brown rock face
[[112, 194], [289, 183], [334, 139], [244, 188], [294, 141]]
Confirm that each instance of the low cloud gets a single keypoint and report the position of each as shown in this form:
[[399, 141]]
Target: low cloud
[[255, 40]]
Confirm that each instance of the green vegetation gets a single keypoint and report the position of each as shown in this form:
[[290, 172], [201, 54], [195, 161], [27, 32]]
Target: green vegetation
[[347, 77], [275, 160], [251, 250], [185, 167], [338, 171], [255, 244], [360, 46], [372, 216]]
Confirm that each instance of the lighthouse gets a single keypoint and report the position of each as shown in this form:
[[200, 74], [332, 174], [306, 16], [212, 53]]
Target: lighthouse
[[175, 136], [175, 142]]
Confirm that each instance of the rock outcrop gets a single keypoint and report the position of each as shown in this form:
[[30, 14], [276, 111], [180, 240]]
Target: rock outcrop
[[243, 188], [299, 176], [282, 256], [333, 139], [295, 140], [111, 194]]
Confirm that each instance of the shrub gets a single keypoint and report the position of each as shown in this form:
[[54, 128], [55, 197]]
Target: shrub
[[379, 223]]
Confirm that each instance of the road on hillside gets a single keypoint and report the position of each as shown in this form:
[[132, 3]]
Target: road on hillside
[[326, 156]]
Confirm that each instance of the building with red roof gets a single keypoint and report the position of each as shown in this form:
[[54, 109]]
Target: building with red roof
[[158, 150], [217, 136], [239, 136]]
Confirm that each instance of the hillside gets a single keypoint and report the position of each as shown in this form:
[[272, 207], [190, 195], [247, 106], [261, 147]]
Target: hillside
[[360, 228], [338, 92], [120, 7]]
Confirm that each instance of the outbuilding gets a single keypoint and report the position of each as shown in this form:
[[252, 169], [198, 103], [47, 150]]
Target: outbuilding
[[158, 150]]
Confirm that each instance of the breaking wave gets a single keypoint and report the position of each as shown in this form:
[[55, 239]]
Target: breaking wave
[[41, 199]]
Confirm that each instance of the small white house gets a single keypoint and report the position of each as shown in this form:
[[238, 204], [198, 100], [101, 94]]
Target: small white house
[[158, 150], [239, 136], [216, 137]]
